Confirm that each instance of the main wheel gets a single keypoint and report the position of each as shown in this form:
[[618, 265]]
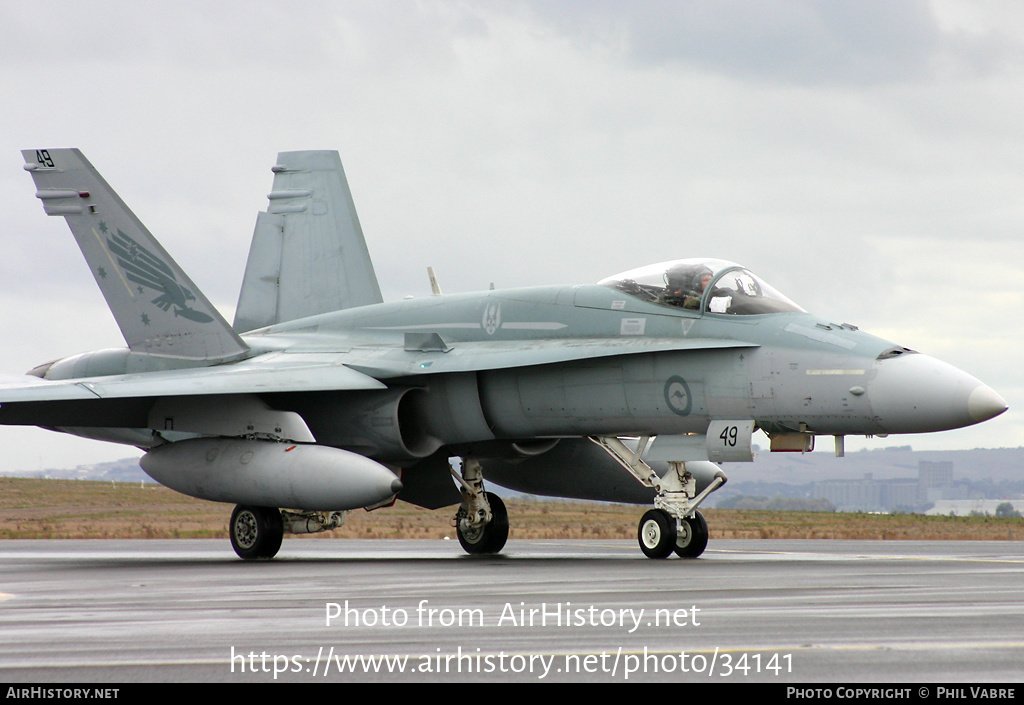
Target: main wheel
[[489, 538], [256, 532], [693, 539], [657, 533]]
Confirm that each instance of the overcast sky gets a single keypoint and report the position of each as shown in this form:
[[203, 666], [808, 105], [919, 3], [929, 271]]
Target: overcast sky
[[866, 158]]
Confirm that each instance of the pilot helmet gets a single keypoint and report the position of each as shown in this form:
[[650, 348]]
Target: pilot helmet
[[686, 278]]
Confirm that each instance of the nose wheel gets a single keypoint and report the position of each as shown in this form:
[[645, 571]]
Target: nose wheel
[[659, 535], [691, 536]]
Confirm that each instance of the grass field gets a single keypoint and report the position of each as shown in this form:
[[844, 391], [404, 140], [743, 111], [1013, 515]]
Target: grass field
[[80, 509]]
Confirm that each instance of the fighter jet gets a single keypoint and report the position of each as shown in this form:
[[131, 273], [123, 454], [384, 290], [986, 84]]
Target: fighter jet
[[321, 398]]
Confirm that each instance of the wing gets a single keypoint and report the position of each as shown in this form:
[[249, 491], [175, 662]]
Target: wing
[[221, 400], [273, 372]]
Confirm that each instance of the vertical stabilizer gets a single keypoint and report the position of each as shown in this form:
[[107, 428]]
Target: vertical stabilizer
[[158, 308], [308, 255]]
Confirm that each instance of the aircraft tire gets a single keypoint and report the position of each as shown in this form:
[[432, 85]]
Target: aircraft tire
[[657, 534], [256, 532], [491, 537], [694, 540]]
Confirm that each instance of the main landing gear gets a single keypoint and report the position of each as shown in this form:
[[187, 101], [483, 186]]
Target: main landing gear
[[674, 525], [482, 520], [257, 532]]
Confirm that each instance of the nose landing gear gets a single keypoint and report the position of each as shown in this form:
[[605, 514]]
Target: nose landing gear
[[674, 525]]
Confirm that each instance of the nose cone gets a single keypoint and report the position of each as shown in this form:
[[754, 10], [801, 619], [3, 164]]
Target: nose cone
[[984, 403], [919, 394]]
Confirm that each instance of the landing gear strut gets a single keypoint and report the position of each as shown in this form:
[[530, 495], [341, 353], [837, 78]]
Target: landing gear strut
[[482, 520], [256, 532]]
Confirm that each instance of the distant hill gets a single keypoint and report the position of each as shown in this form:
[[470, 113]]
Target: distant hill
[[125, 470]]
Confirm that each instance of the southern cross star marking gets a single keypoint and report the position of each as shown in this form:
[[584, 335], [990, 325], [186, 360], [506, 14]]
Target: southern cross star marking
[[145, 319], [103, 227], [101, 272]]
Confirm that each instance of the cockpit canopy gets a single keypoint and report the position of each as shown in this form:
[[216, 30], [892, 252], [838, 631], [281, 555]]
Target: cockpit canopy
[[705, 285]]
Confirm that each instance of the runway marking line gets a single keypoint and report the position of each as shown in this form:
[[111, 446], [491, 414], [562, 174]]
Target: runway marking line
[[853, 556]]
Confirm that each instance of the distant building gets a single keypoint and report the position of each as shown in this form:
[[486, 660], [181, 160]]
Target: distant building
[[900, 494], [851, 495], [934, 482], [931, 474]]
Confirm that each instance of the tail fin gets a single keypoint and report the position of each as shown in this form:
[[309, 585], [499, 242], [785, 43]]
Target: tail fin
[[158, 308], [308, 255]]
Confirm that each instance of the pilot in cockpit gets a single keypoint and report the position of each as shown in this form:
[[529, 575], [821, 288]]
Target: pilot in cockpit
[[685, 284]]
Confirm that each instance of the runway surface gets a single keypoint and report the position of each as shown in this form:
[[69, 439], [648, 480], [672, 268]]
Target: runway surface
[[414, 610]]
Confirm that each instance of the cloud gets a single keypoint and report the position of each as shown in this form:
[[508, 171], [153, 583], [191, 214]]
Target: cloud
[[821, 43]]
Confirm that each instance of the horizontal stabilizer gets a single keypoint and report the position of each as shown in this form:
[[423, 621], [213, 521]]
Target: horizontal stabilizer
[[157, 307]]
